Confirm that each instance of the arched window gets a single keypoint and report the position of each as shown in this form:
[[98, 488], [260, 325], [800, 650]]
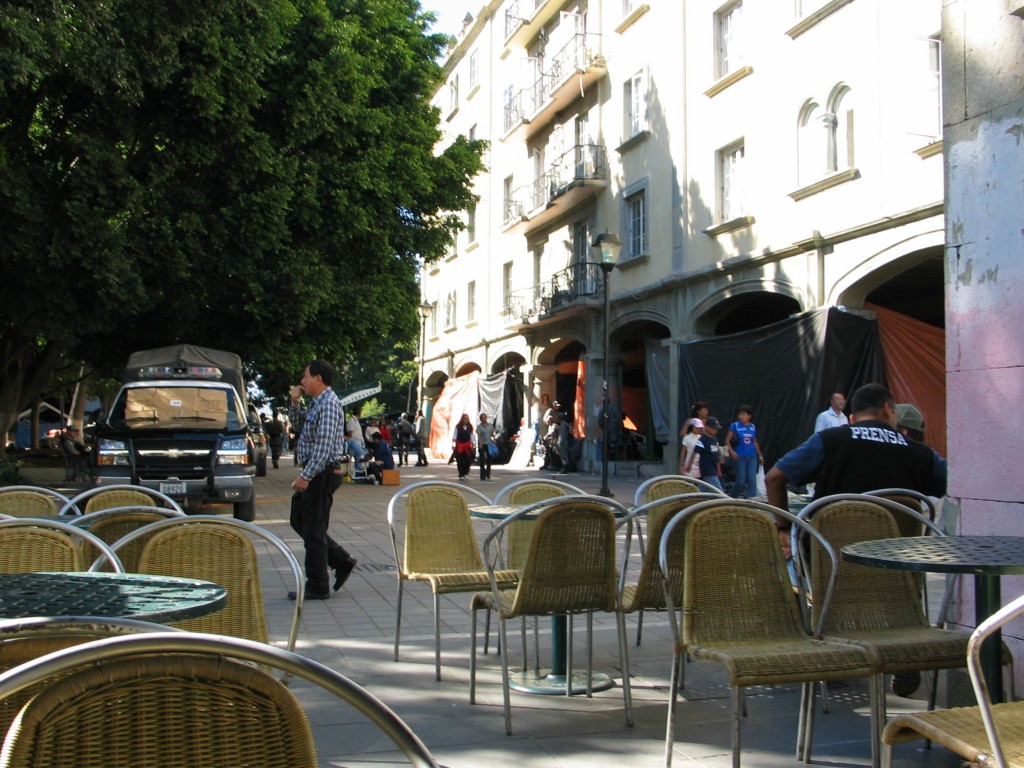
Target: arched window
[[840, 129], [810, 138]]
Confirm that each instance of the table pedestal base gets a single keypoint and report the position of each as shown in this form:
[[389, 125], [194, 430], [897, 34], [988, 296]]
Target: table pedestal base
[[554, 685]]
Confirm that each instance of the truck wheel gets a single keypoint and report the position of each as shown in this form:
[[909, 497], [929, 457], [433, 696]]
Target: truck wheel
[[246, 510]]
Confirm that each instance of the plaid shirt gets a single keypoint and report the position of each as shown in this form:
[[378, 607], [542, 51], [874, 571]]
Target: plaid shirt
[[322, 439]]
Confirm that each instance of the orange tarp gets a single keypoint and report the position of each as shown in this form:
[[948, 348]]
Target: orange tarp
[[459, 396]]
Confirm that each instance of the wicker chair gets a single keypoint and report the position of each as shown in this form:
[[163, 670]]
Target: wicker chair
[[24, 640], [30, 501], [984, 735], [182, 699], [120, 495], [29, 545], [648, 593], [438, 547], [909, 525], [671, 485], [517, 535], [117, 522], [738, 610], [894, 630], [218, 549], [570, 569]]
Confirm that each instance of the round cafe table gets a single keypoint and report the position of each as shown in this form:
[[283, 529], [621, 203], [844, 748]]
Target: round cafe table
[[159, 599], [987, 557]]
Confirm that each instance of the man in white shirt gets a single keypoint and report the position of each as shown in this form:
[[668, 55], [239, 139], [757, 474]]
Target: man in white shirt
[[833, 416]]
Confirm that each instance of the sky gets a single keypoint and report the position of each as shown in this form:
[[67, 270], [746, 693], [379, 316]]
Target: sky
[[450, 13]]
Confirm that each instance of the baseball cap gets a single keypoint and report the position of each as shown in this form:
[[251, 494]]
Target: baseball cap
[[908, 416], [696, 423], [712, 422]]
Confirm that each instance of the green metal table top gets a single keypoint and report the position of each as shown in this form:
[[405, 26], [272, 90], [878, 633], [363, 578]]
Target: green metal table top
[[993, 555], [124, 595]]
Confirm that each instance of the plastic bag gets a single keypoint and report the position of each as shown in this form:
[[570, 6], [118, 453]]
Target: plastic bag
[[762, 489]]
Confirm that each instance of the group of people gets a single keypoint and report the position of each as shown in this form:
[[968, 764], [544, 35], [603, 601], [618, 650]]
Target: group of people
[[702, 456], [557, 442], [469, 442]]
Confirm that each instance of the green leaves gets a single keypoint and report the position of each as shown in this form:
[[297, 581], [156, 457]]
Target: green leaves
[[254, 176]]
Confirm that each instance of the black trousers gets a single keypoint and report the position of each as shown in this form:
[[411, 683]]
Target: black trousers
[[485, 462], [310, 516]]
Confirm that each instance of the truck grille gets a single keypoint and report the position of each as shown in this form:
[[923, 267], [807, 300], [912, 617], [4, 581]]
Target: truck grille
[[186, 459]]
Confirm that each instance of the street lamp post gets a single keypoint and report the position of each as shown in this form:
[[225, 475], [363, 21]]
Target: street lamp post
[[425, 309], [607, 248]]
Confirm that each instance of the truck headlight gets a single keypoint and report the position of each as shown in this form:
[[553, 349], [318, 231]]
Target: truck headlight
[[234, 452], [112, 453]]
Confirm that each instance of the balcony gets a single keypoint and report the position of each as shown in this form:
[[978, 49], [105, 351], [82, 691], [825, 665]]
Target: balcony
[[524, 20], [569, 73], [574, 69], [572, 179], [568, 292]]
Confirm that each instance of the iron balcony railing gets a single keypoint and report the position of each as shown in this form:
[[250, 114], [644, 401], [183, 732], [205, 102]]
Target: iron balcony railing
[[518, 13], [582, 163], [577, 281]]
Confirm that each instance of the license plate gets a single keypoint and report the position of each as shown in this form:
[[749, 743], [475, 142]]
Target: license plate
[[172, 489]]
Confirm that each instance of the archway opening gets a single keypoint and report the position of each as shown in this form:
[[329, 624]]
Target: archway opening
[[642, 402], [747, 311]]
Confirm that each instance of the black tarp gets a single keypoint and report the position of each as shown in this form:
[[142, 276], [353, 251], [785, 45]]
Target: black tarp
[[785, 370]]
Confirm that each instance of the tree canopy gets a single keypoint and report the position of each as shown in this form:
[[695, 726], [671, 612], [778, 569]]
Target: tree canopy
[[259, 177]]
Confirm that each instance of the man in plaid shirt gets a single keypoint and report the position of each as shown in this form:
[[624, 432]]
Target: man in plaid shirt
[[320, 448]]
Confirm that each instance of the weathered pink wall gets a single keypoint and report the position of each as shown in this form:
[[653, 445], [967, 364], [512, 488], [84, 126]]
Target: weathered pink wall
[[983, 102]]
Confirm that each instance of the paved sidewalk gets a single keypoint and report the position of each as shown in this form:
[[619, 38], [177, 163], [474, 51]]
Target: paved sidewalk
[[354, 633]]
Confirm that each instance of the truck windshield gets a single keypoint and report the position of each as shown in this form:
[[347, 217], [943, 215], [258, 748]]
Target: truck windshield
[[178, 407]]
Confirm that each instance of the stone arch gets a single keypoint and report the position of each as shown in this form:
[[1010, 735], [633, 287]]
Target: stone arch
[[644, 408], [467, 366], [549, 354], [508, 359], [745, 305]]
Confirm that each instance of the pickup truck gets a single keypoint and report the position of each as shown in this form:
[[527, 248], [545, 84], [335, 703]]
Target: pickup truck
[[181, 424]]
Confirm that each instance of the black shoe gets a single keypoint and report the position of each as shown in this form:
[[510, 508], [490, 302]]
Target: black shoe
[[310, 596], [905, 683], [342, 572]]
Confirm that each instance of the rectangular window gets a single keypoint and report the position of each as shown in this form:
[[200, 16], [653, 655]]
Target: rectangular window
[[635, 101], [471, 301], [506, 285], [433, 318], [474, 70], [453, 94], [471, 223], [636, 224], [450, 317], [731, 182], [538, 260], [511, 210], [472, 132], [924, 93], [728, 42]]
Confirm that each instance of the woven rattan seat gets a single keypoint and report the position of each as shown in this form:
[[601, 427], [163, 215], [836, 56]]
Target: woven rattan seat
[[738, 610], [664, 486], [570, 568], [178, 699], [221, 550], [118, 498], [29, 501], [648, 592], [120, 495], [439, 547], [984, 735], [29, 545], [117, 522], [23, 640]]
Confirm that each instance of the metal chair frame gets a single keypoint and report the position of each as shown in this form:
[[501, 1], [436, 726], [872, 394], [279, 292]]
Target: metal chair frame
[[457, 581], [230, 523], [806, 716], [131, 649], [106, 552], [57, 499], [74, 501], [701, 486], [492, 548]]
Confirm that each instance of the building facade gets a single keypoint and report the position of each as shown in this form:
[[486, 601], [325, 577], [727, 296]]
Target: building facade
[[755, 159]]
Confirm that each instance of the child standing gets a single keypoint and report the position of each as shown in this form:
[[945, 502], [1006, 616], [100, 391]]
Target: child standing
[[746, 452]]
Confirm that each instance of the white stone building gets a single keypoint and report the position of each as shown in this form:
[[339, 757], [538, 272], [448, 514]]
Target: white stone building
[[756, 159]]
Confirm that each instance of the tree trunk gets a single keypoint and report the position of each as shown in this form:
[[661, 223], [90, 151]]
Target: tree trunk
[[27, 367]]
